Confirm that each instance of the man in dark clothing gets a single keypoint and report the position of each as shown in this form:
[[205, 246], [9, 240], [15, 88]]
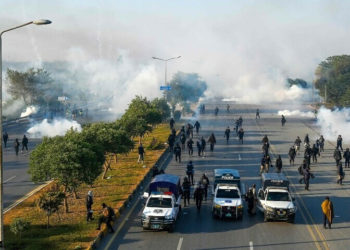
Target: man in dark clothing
[[308, 150], [203, 143], [197, 126], [321, 143], [340, 173], [216, 110], [346, 156], [265, 148], [307, 175], [189, 131], [5, 137], [236, 127], [212, 141], [16, 145], [205, 183], [301, 171], [89, 202], [268, 163], [24, 143], [262, 164], [250, 201], [155, 171], [265, 139], [107, 217], [177, 152], [297, 145], [240, 135], [291, 154], [190, 171], [240, 119], [199, 146], [172, 123], [337, 156], [257, 114], [141, 153], [314, 153], [279, 164], [171, 140], [307, 158], [183, 140], [198, 196], [186, 187], [339, 142], [306, 140], [173, 131], [227, 134], [283, 120], [190, 147], [182, 130]]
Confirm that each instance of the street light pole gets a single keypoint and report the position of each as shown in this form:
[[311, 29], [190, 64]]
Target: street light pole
[[37, 22]]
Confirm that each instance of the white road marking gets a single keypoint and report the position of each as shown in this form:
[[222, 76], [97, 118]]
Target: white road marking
[[239, 156], [251, 247], [180, 244], [27, 153], [9, 179]]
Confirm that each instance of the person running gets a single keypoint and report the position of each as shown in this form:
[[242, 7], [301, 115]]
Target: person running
[[227, 134], [197, 126], [186, 187], [339, 142], [291, 154], [346, 156], [212, 141], [257, 114], [328, 212], [297, 145], [240, 135], [190, 171]]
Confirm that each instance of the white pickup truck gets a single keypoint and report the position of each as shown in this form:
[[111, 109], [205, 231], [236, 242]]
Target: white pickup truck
[[274, 199], [227, 202]]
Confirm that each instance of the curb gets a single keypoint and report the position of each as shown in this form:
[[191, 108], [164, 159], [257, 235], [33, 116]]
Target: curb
[[94, 245]]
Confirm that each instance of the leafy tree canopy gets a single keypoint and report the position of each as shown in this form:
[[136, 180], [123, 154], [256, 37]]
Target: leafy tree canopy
[[302, 83], [162, 105]]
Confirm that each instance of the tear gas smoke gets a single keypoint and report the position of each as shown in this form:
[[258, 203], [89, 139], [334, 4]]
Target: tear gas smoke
[[296, 113], [30, 110], [57, 127], [334, 123]]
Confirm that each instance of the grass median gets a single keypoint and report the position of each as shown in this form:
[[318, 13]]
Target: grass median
[[69, 231]]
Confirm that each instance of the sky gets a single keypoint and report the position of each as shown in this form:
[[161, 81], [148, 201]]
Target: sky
[[245, 50]]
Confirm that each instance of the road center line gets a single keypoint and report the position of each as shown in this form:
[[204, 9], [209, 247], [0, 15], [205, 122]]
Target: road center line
[[9, 179], [180, 244], [251, 247]]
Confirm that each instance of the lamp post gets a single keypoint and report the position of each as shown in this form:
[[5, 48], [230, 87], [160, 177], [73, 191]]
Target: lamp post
[[37, 22], [165, 62]]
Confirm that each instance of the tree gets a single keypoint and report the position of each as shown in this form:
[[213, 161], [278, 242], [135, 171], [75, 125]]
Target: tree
[[69, 159], [18, 226], [302, 83], [50, 203], [32, 86], [162, 105], [140, 117], [185, 87], [333, 74], [111, 137]]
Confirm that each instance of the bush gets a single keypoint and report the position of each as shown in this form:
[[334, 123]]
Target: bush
[[18, 226], [177, 115], [154, 144]]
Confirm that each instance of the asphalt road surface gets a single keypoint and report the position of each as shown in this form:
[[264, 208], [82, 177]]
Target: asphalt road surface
[[200, 231]]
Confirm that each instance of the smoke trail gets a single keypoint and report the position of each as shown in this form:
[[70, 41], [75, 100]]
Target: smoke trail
[[296, 113], [57, 127], [30, 110]]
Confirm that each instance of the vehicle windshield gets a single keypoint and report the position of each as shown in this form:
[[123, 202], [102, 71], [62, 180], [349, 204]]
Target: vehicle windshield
[[159, 202], [227, 193], [277, 196]]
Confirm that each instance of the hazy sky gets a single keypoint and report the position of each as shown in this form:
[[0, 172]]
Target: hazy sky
[[243, 49]]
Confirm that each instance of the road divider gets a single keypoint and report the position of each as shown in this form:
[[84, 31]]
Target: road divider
[[180, 244], [9, 179]]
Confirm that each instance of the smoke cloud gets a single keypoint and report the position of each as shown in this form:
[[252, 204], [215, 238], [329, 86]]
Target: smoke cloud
[[57, 127], [29, 111], [296, 113]]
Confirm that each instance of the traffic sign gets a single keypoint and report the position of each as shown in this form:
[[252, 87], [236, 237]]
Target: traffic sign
[[165, 87]]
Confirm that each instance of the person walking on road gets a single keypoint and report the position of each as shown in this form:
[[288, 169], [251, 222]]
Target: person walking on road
[[171, 140], [240, 135], [257, 114], [346, 156], [265, 148], [321, 143], [190, 171], [339, 142], [283, 120], [291, 154], [24, 143], [183, 141], [268, 163], [177, 152], [16, 146], [250, 201], [265, 139], [205, 183], [198, 196], [297, 145], [190, 147], [279, 164], [172, 123], [107, 217], [212, 141], [301, 171], [255, 200], [306, 140], [197, 126], [307, 175], [340, 174], [5, 138], [141, 153], [262, 164], [216, 110], [236, 126], [89, 202], [328, 212], [199, 146], [314, 153], [203, 143], [337, 156], [186, 187], [227, 134]]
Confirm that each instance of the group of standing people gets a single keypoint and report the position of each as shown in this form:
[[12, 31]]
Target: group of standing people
[[16, 143]]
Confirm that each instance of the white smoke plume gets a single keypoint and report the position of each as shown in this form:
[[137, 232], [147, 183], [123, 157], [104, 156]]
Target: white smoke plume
[[57, 127], [296, 113], [334, 123], [30, 110]]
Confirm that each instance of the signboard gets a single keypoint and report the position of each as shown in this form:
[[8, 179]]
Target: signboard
[[62, 98], [165, 87]]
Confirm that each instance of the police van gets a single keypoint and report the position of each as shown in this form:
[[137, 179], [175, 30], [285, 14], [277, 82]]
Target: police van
[[163, 203], [227, 191]]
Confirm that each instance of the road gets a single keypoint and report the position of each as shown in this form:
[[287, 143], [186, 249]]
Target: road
[[200, 231]]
